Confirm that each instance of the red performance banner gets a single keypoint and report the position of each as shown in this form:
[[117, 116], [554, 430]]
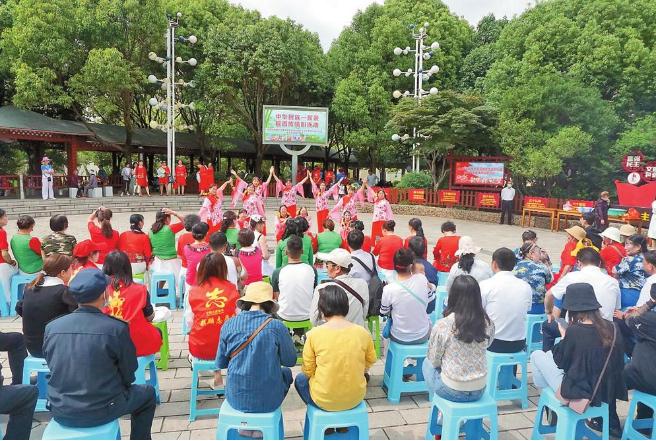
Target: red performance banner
[[487, 200], [449, 197], [576, 203], [479, 173], [417, 195], [535, 202]]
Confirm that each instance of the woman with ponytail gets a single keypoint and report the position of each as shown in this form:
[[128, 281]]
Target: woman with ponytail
[[162, 240], [416, 230], [467, 263], [136, 245], [101, 232], [130, 302], [45, 299], [386, 248], [229, 228]]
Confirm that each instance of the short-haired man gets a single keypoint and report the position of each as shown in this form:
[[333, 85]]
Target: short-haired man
[[364, 264], [338, 265], [92, 361], [58, 241], [294, 283], [507, 300], [606, 288]]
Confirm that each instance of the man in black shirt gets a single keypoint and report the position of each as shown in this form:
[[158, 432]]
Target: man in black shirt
[[587, 221]]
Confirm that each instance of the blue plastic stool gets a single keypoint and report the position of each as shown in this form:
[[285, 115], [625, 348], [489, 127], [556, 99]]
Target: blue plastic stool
[[317, 421], [147, 362], [40, 367], [440, 300], [4, 306], [198, 365], [470, 415], [631, 425], [501, 382], [534, 332], [394, 370], [570, 425], [162, 295], [231, 421], [54, 430], [442, 277], [18, 282], [305, 325]]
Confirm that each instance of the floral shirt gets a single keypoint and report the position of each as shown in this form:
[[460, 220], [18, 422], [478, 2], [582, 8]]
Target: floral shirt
[[289, 195], [382, 211], [321, 200], [253, 205], [211, 210], [536, 275], [631, 273]]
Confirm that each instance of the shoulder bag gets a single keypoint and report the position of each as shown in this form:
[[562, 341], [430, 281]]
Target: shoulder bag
[[234, 353]]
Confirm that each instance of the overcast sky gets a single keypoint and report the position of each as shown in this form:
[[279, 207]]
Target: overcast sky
[[329, 17]]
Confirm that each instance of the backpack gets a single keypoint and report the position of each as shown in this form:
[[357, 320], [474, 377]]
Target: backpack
[[375, 287]]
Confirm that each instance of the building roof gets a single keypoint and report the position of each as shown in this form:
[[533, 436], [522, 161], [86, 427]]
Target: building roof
[[14, 118]]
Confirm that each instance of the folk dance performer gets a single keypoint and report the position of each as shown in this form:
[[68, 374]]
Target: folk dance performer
[[382, 212], [211, 211], [321, 196], [288, 192]]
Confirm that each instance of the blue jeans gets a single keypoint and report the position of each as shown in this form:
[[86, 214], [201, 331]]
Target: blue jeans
[[433, 378], [302, 385]]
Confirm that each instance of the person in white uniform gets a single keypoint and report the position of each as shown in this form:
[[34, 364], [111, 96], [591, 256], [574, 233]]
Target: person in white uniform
[[47, 177]]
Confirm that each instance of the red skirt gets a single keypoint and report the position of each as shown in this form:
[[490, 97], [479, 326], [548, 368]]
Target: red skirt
[[322, 215], [163, 181], [142, 182], [291, 209], [180, 181], [376, 230]]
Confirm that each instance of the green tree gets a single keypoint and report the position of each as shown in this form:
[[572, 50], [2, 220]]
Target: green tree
[[451, 123], [640, 136]]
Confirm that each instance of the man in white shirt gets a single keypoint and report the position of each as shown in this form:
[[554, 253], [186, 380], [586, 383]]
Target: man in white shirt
[[338, 265], [507, 197], [649, 265], [606, 288], [506, 300], [364, 263], [293, 284]]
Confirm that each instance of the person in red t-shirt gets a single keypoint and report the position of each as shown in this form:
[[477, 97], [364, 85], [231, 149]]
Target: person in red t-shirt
[[130, 302], [613, 250], [86, 255], [141, 175], [445, 249], [136, 244], [567, 258], [211, 303], [185, 239], [180, 177], [386, 247], [7, 264], [329, 177], [316, 174], [100, 229]]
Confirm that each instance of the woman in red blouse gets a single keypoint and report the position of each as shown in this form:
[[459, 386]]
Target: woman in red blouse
[[102, 234], [445, 249], [129, 301], [386, 247], [136, 244], [212, 302], [141, 175], [416, 229], [180, 177]]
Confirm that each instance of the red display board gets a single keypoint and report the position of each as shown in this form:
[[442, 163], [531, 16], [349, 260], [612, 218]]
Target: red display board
[[536, 202], [633, 162], [631, 196], [449, 197], [576, 203], [479, 173], [488, 200], [417, 195]]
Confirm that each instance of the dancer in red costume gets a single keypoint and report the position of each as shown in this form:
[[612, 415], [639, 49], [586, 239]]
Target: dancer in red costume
[[382, 213], [206, 174], [142, 178], [211, 211], [321, 196], [180, 178], [288, 192]]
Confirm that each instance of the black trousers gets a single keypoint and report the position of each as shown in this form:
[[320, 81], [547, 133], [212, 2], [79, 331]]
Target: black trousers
[[507, 347], [550, 333], [140, 405], [14, 345], [635, 381], [506, 210], [18, 401]]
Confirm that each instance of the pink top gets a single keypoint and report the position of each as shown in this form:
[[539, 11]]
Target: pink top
[[238, 193], [194, 253], [251, 258], [211, 213], [382, 211], [280, 225], [321, 200], [347, 203], [289, 195], [253, 205]]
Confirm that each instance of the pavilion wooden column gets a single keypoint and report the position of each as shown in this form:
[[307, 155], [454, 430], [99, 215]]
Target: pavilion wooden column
[[71, 154]]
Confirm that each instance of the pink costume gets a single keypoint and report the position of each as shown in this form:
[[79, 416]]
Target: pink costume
[[289, 195], [382, 211], [350, 205], [211, 212], [253, 205], [240, 188], [321, 200]]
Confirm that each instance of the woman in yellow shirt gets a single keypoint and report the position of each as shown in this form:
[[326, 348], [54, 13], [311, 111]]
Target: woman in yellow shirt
[[336, 356]]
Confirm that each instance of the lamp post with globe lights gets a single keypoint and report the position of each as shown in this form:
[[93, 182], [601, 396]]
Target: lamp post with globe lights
[[421, 53], [169, 104]]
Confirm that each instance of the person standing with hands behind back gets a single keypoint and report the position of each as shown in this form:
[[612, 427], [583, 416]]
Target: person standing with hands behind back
[[507, 198], [601, 211]]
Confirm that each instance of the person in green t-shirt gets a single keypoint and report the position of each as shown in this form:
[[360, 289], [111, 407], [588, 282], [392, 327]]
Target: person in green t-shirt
[[229, 228], [329, 239], [297, 226], [26, 249], [162, 240]]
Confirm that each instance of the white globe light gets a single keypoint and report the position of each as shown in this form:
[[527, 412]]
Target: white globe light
[[154, 125], [153, 102], [433, 91], [192, 39], [191, 84], [396, 94], [396, 137], [152, 79], [406, 93], [422, 30], [152, 56], [427, 56], [192, 62], [425, 76], [178, 59], [435, 46], [396, 72], [434, 69], [397, 51], [179, 14]]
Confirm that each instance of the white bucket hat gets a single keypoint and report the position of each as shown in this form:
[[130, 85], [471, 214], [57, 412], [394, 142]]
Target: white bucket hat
[[466, 246], [612, 233], [338, 256]]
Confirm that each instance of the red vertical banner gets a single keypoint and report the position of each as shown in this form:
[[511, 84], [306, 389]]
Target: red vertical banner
[[536, 202], [417, 195], [487, 200], [449, 197]]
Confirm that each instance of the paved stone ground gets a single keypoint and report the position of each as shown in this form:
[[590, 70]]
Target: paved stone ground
[[406, 420]]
